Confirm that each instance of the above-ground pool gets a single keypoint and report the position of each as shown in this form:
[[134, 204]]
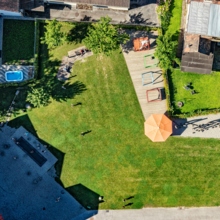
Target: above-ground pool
[[14, 76]]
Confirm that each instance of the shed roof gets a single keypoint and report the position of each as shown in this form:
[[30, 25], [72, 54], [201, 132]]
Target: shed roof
[[204, 19], [197, 62], [116, 3], [9, 5]]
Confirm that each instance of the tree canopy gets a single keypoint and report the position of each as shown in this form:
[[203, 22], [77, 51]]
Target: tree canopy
[[53, 34], [166, 51], [38, 97], [103, 37]]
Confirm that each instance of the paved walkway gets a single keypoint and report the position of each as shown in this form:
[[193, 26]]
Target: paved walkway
[[136, 66], [204, 213], [205, 126]]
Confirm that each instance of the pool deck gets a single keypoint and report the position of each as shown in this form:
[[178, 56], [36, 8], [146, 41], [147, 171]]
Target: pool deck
[[27, 70]]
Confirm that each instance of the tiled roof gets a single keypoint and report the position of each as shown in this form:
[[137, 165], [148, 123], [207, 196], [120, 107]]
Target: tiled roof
[[9, 5]]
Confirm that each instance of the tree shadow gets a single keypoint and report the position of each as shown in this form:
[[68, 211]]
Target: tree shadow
[[137, 18], [86, 18], [78, 33], [85, 196], [59, 90], [62, 92], [128, 46]]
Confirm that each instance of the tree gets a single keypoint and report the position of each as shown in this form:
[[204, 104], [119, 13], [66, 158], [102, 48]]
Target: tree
[[53, 34], [38, 97], [103, 37], [166, 51]]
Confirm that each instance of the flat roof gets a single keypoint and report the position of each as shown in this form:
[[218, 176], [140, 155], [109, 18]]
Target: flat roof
[[27, 190], [9, 5]]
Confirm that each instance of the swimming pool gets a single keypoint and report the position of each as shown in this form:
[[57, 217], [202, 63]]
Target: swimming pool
[[14, 76]]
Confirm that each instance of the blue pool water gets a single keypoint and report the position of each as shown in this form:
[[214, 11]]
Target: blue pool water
[[14, 76]]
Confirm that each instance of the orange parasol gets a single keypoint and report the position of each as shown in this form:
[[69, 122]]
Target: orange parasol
[[158, 127]]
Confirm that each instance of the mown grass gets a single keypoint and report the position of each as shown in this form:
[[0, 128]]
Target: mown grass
[[116, 159], [18, 40], [205, 86], [175, 21]]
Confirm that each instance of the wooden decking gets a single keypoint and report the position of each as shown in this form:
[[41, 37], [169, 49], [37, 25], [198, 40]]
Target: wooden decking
[[136, 66]]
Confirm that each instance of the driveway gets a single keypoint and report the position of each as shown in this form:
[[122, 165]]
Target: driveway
[[145, 15]]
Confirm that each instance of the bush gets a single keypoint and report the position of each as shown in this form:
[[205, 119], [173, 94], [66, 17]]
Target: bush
[[164, 13], [103, 37], [166, 51], [53, 36], [38, 97]]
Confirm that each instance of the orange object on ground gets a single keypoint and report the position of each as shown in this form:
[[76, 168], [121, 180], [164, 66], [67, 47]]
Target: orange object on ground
[[158, 127], [141, 43]]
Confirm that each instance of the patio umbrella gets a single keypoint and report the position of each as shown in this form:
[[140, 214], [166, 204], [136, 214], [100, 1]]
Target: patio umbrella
[[158, 127]]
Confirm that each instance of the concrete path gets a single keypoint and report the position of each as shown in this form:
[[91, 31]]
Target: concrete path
[[204, 126], [212, 213]]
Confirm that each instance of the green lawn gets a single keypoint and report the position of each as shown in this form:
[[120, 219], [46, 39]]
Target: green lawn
[[18, 40], [175, 20], [116, 159], [207, 89]]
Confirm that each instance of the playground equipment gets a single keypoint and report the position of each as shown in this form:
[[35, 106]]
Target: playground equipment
[[154, 62], [149, 79], [141, 43], [154, 95]]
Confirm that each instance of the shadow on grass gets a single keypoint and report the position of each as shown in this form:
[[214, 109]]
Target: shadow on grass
[[85, 196], [78, 33], [58, 90]]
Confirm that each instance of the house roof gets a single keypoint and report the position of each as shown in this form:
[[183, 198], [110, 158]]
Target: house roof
[[33, 190], [197, 62], [9, 5], [32, 5], [204, 19], [116, 3]]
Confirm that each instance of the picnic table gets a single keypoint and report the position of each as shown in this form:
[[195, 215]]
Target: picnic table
[[77, 51]]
